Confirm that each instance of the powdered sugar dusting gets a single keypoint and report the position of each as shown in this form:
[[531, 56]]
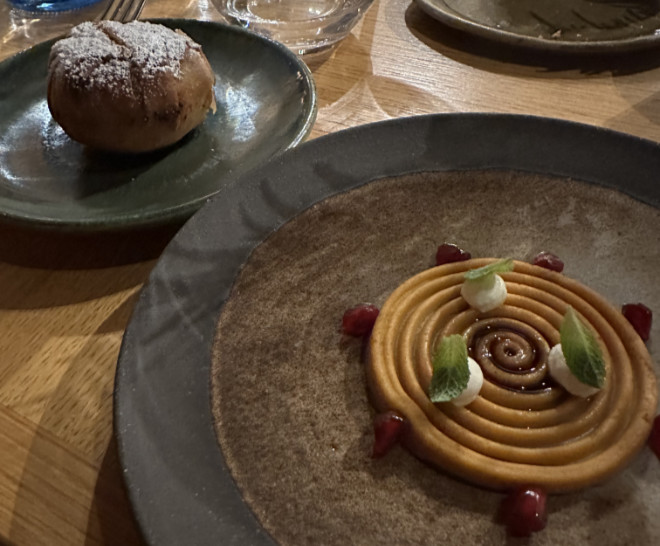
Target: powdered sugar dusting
[[110, 54]]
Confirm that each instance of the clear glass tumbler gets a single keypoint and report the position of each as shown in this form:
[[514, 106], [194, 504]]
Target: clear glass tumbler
[[305, 26]]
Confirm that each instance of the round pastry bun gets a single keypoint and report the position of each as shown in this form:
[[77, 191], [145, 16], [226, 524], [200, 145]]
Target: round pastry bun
[[128, 87]]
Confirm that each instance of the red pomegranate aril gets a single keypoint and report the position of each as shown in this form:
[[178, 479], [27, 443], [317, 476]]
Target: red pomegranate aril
[[654, 437], [359, 320], [524, 511], [548, 260], [640, 317], [388, 427], [448, 253]]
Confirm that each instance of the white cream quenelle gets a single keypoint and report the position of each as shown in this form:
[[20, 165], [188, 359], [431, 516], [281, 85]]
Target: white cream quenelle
[[471, 390], [485, 294], [563, 375]]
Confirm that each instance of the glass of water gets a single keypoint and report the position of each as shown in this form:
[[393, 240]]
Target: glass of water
[[305, 26]]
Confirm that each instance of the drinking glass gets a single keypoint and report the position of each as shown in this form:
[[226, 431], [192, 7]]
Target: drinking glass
[[305, 26]]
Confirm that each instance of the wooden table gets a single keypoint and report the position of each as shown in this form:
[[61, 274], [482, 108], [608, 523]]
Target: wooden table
[[62, 322]]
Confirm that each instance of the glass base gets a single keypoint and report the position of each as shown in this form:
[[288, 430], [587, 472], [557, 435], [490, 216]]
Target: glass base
[[50, 6], [286, 11], [304, 27]]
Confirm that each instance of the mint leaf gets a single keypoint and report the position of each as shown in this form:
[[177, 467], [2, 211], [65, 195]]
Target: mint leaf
[[450, 369], [501, 266], [581, 350]]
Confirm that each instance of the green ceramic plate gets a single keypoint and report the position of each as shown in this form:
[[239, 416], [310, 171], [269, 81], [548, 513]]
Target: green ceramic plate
[[562, 25], [266, 104]]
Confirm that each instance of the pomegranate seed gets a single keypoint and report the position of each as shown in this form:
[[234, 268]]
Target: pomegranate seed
[[549, 261], [640, 317], [524, 511], [359, 320], [448, 253], [654, 437], [388, 427]]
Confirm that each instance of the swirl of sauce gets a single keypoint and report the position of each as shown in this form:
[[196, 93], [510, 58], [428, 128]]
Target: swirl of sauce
[[523, 427], [510, 353]]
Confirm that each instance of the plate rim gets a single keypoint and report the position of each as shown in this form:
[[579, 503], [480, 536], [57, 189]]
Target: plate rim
[[181, 211], [449, 17], [136, 452]]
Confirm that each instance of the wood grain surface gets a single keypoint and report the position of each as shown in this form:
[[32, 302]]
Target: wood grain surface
[[65, 300]]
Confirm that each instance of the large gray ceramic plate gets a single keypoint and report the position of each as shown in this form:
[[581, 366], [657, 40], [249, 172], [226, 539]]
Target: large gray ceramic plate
[[563, 25], [266, 104], [177, 478]]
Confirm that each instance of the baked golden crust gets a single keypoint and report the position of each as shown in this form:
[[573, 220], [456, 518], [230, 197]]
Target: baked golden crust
[[523, 428], [131, 87]]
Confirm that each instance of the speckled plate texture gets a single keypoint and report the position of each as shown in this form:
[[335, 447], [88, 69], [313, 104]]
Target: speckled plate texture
[[560, 25], [241, 408], [266, 103]]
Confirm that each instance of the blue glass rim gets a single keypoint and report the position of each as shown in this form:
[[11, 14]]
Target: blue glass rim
[[51, 6]]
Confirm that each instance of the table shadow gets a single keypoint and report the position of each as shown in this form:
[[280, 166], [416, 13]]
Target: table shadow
[[110, 520], [56, 250], [110, 517], [476, 51], [75, 427]]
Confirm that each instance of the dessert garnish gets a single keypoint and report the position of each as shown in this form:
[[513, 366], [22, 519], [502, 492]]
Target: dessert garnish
[[524, 512], [580, 348], [448, 253], [640, 317], [388, 428], [456, 377], [483, 288], [359, 320], [563, 375], [549, 261], [481, 273]]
